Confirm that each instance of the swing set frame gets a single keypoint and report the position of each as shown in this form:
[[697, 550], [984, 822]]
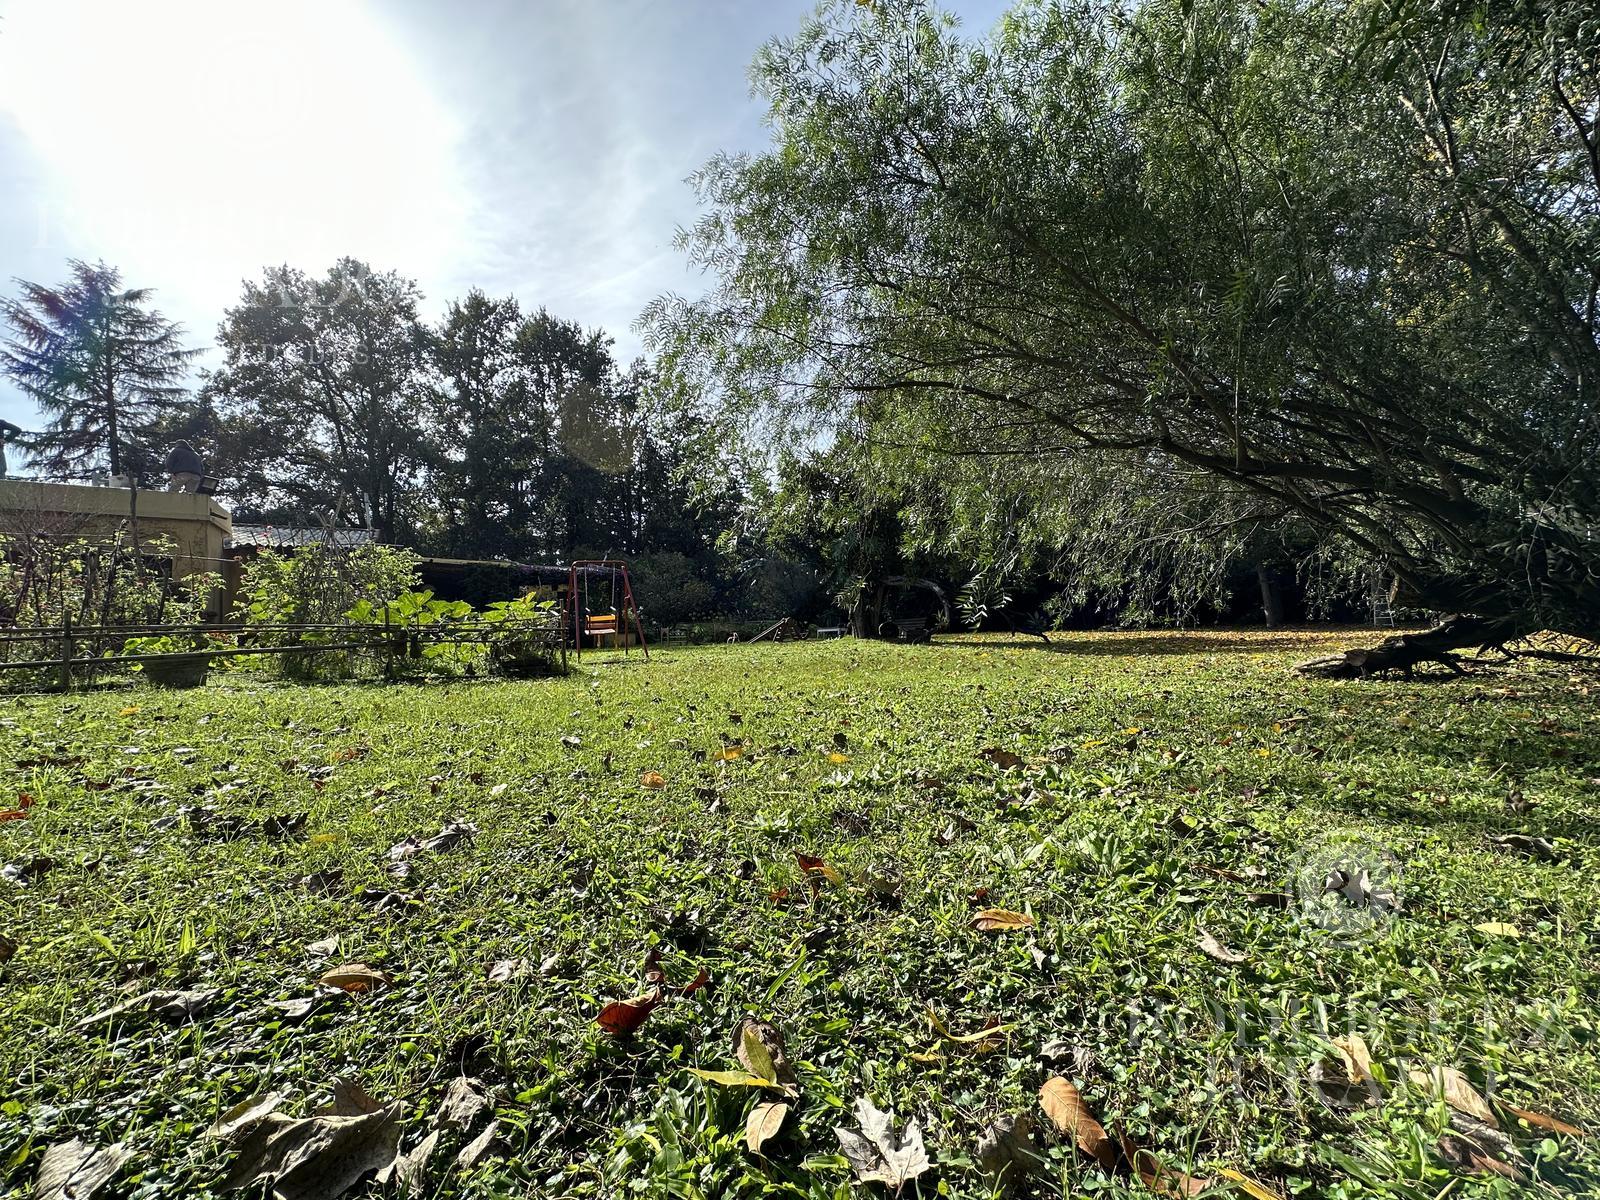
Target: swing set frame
[[613, 625]]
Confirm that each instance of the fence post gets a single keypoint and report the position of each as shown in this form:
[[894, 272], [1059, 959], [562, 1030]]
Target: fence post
[[388, 646], [66, 651]]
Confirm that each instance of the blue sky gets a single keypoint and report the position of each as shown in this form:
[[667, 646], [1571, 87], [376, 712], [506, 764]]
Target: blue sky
[[537, 148]]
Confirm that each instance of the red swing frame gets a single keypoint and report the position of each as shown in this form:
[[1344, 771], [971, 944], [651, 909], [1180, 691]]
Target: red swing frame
[[581, 620]]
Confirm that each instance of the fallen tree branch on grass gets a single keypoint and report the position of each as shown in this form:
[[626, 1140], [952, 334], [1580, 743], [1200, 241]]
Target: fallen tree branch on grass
[[1407, 650]]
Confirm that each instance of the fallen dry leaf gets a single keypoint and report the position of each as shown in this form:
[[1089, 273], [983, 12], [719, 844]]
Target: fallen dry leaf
[[760, 1050], [1466, 1155], [1357, 1058], [1063, 1103], [1006, 760], [463, 1103], [409, 1171], [877, 1153], [323, 949], [452, 835], [8, 949], [1213, 948], [763, 1123], [813, 866], [475, 1151], [1005, 1150], [1457, 1091], [309, 1158], [998, 920], [1344, 1081], [171, 1006], [355, 978], [622, 1017], [508, 969], [653, 780], [1541, 1121], [75, 1170]]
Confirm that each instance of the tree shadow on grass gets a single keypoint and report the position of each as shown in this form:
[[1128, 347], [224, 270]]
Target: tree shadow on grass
[[1174, 643]]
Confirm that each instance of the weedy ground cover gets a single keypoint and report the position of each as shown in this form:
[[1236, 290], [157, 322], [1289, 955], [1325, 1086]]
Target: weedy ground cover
[[1302, 937]]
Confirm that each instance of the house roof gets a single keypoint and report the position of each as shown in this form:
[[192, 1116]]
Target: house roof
[[288, 537]]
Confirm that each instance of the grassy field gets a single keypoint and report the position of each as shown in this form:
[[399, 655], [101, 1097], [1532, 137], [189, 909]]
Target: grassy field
[[1129, 793]]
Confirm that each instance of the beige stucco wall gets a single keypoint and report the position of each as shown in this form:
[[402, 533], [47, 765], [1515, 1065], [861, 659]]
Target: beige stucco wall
[[196, 525]]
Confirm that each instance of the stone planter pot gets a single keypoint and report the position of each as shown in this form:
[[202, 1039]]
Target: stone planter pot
[[178, 671]]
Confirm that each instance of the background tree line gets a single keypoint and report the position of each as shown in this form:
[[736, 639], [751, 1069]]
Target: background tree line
[[492, 433]]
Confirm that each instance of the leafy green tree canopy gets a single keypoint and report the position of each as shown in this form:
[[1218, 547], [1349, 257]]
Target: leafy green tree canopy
[[105, 367], [1338, 259]]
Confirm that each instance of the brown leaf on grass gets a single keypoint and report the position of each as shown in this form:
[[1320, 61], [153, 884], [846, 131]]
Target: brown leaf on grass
[[998, 920], [475, 1151], [355, 978], [1457, 1091], [409, 1172], [1159, 1178], [701, 978], [509, 969], [1063, 1103], [324, 948], [173, 1006], [8, 949], [1541, 1121], [309, 1158], [877, 1153], [1357, 1058], [463, 1103], [814, 866], [1344, 1080], [452, 835], [760, 1050], [24, 803], [1212, 948], [1534, 847], [350, 1099], [1464, 1154], [1006, 760], [300, 1007], [763, 1123], [1005, 1150], [75, 1170], [654, 780], [622, 1017]]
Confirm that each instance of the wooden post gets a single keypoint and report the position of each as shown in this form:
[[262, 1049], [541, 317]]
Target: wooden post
[[66, 651], [388, 646]]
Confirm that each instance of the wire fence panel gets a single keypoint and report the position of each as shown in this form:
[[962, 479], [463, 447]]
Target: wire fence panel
[[68, 654]]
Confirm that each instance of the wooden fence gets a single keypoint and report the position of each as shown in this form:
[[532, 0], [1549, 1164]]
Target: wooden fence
[[74, 654]]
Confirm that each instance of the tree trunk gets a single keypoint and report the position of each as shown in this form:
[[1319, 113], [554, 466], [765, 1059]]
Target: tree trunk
[[1271, 598]]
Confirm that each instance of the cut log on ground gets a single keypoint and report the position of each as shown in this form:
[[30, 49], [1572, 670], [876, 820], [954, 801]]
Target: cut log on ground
[[1405, 651]]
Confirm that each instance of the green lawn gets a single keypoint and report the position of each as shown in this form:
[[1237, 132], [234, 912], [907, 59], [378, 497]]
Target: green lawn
[[1163, 780]]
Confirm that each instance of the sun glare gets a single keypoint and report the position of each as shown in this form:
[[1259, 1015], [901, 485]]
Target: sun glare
[[231, 137]]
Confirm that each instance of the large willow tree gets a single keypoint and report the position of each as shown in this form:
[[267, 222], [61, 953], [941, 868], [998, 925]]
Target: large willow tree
[[1337, 258]]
